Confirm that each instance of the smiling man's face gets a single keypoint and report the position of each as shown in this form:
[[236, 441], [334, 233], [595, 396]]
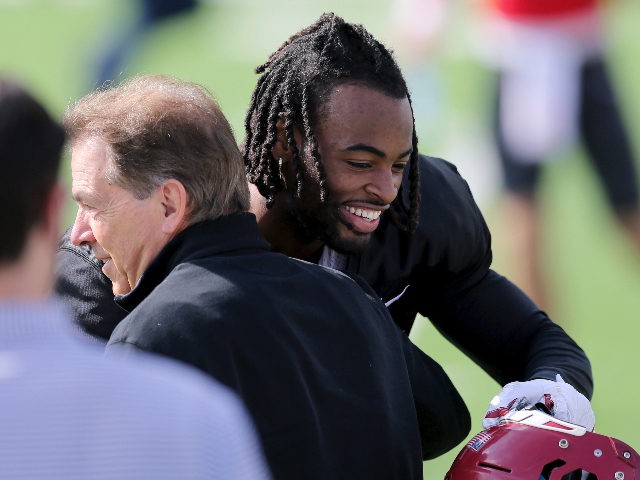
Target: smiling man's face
[[365, 140], [122, 230]]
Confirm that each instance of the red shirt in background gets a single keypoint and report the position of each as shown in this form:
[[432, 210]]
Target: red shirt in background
[[541, 8]]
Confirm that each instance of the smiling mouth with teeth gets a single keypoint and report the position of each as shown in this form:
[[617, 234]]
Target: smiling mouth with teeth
[[369, 215]]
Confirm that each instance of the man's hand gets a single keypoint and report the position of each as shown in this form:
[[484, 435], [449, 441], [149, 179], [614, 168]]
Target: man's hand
[[559, 399]]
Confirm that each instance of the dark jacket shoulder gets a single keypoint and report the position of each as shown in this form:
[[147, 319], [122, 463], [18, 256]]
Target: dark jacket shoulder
[[85, 290], [451, 227]]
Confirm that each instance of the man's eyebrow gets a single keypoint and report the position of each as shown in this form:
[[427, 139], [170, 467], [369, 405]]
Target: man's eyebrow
[[363, 147], [78, 197], [406, 153]]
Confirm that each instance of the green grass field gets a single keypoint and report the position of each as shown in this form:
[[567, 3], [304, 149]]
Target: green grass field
[[51, 45]]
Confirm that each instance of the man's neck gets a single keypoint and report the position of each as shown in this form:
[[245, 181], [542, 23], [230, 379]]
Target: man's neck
[[274, 223], [16, 284], [30, 276]]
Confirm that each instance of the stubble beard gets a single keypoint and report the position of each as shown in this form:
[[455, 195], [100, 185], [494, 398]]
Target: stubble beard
[[321, 223]]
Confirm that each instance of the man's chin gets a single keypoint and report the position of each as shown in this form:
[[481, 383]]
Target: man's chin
[[120, 288], [119, 283], [332, 231], [348, 244]]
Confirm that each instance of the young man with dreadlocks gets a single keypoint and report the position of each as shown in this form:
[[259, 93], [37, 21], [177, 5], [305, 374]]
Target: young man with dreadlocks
[[336, 178], [331, 153]]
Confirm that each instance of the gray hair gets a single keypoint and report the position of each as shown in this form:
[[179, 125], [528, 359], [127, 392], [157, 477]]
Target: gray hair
[[157, 128]]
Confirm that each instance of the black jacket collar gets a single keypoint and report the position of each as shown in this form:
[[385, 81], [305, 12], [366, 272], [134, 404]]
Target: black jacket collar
[[224, 235]]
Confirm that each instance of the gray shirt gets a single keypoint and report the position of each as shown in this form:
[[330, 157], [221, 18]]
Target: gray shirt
[[66, 412]]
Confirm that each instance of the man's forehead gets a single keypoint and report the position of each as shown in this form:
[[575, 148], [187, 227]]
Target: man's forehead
[[359, 114], [356, 103], [89, 165], [82, 190], [357, 93], [89, 155], [90, 144]]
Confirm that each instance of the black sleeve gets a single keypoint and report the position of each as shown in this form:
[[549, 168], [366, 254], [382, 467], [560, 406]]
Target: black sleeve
[[443, 417], [85, 290], [479, 311], [502, 330]]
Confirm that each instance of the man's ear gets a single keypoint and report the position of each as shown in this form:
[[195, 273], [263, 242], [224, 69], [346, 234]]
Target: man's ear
[[283, 154], [280, 149], [174, 202]]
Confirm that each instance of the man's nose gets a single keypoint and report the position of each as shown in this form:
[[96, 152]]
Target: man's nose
[[81, 232], [384, 186]]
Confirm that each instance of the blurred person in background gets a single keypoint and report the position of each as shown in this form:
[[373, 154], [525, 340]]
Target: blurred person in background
[[67, 412], [113, 58], [416, 28], [553, 88]]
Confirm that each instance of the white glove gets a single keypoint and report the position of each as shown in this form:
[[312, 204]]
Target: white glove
[[561, 400]]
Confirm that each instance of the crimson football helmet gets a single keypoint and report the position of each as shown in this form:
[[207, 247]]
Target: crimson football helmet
[[531, 445]]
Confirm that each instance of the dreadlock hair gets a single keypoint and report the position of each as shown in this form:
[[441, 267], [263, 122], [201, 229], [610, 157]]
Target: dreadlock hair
[[296, 81]]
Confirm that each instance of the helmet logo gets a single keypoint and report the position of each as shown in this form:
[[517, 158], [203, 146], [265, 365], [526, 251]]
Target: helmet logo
[[477, 442]]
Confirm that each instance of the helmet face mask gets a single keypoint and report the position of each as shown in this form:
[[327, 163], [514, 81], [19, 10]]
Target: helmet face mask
[[531, 445]]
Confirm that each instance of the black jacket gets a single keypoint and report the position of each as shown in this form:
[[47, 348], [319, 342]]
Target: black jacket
[[87, 292], [335, 388], [445, 268]]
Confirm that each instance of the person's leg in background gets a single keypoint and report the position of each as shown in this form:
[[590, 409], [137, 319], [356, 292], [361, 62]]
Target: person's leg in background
[[609, 148], [521, 236]]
